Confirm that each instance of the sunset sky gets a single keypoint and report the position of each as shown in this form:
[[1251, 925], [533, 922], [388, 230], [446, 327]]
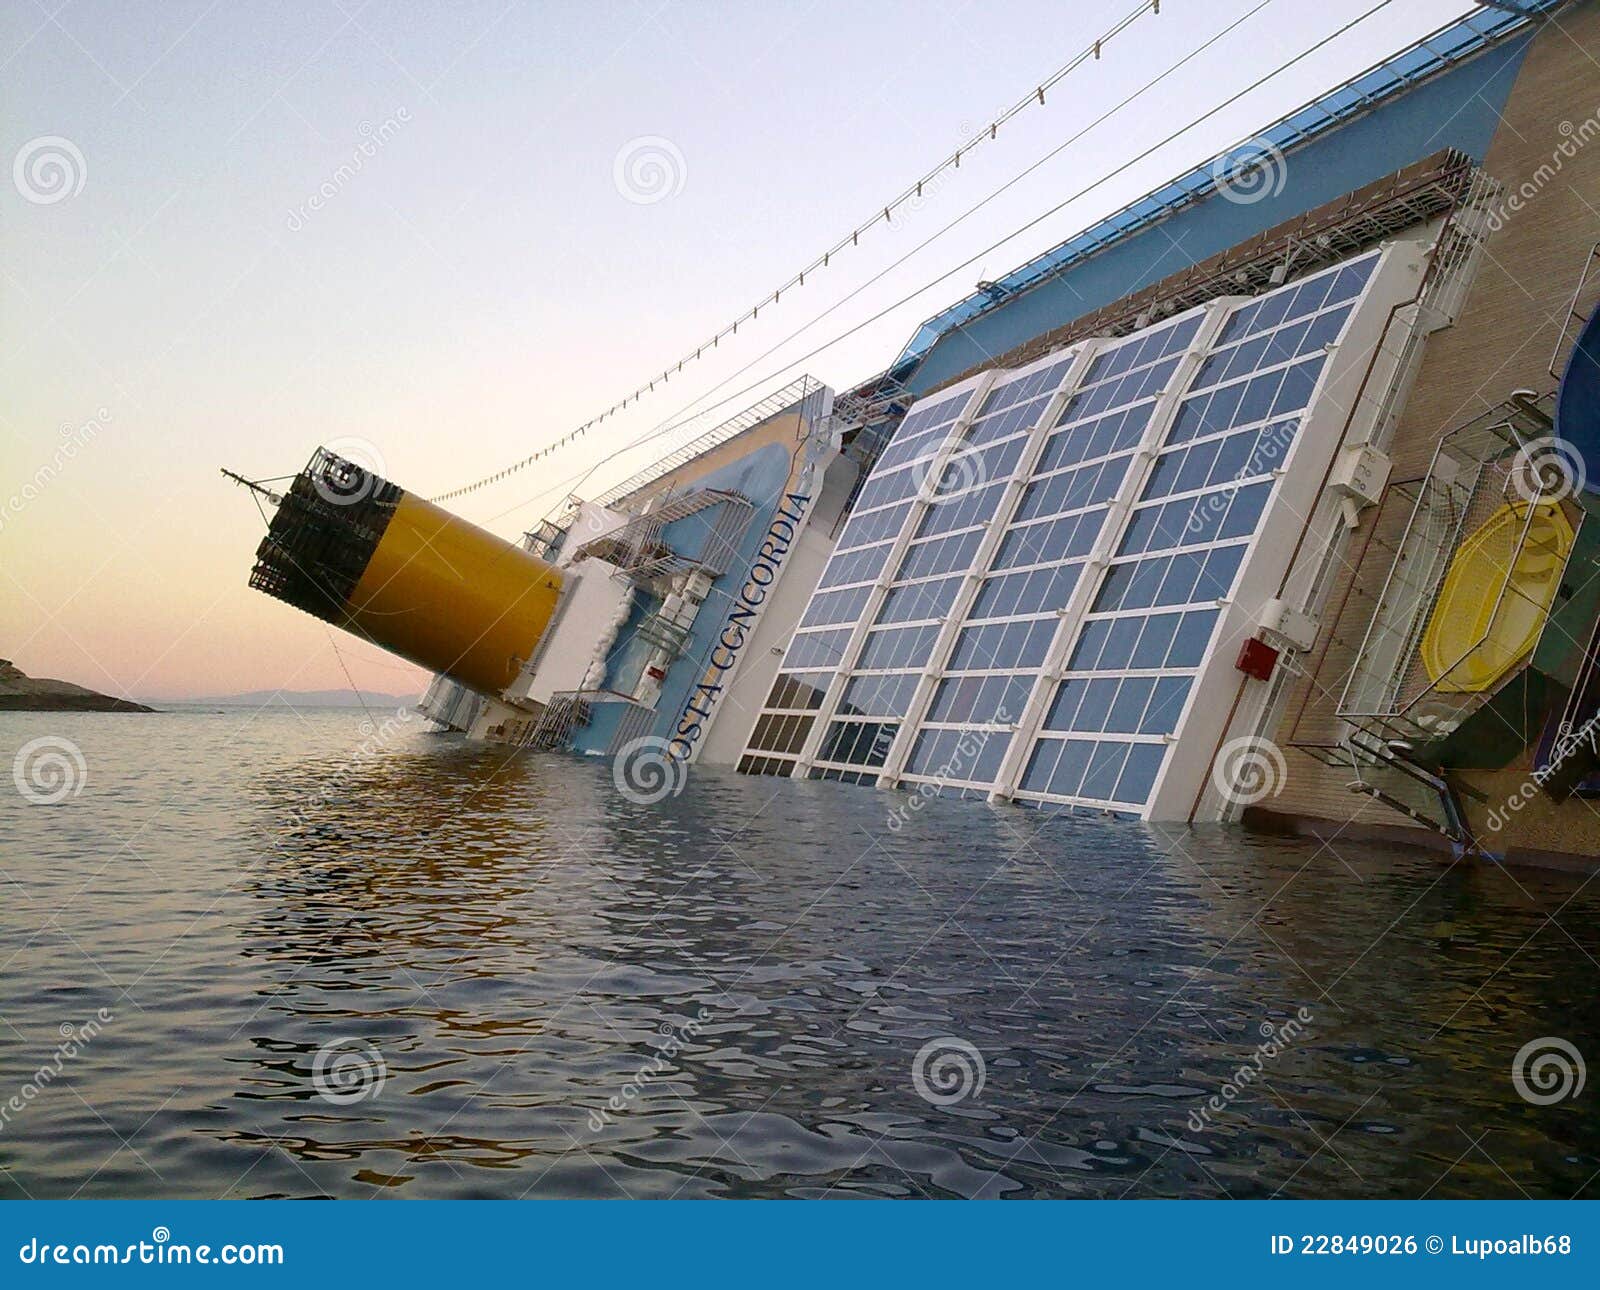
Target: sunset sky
[[485, 279]]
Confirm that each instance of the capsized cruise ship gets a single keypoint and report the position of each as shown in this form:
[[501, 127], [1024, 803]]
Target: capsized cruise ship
[[1271, 496]]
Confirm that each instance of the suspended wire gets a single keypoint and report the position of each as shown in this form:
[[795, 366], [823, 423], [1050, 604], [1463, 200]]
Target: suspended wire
[[881, 215], [678, 419]]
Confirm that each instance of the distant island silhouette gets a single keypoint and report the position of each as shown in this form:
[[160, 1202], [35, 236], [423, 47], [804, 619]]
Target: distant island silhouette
[[303, 699]]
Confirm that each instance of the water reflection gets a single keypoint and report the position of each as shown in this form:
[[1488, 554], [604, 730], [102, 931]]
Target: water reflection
[[756, 988]]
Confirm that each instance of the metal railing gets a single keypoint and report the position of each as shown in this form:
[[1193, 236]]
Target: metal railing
[[791, 395]]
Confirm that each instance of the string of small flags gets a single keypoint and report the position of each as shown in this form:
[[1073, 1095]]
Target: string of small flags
[[1035, 97]]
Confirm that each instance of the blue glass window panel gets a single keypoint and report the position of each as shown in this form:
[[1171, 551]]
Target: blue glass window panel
[[859, 743], [1144, 586], [1238, 324], [1245, 511], [1131, 425], [1222, 412], [1286, 343], [1133, 695], [1178, 336], [1141, 530], [1194, 634], [1085, 534], [1233, 458], [1048, 590], [1242, 360], [1205, 522], [1191, 416], [1007, 696], [998, 597], [1037, 644], [1166, 705], [1182, 570], [819, 649], [879, 696], [1309, 297], [1272, 446], [1119, 643], [1064, 707], [990, 754], [1105, 767], [1352, 278], [925, 753], [836, 607], [955, 698], [1068, 772], [1164, 475], [1103, 438], [918, 600], [1041, 766], [856, 566], [940, 555], [897, 647], [1273, 308], [1097, 697], [1090, 642], [1197, 465], [1325, 329], [1139, 774], [1298, 383], [1215, 581], [1155, 641], [960, 510], [1256, 400], [1114, 588]]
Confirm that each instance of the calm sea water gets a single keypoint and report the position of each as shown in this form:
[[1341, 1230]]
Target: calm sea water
[[294, 966]]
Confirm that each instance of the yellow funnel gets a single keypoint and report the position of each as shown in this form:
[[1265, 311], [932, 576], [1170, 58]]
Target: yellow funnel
[[365, 555], [1477, 634]]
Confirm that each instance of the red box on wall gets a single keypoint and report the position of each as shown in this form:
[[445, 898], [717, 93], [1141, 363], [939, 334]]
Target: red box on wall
[[1257, 659]]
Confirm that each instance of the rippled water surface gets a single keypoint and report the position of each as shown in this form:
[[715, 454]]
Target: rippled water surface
[[727, 993]]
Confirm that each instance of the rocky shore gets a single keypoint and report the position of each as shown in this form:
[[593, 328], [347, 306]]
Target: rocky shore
[[22, 693]]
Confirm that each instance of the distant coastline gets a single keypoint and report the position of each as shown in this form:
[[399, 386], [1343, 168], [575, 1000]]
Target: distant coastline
[[20, 692], [298, 699]]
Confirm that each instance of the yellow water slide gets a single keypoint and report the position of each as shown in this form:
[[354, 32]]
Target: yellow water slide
[[1496, 596]]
